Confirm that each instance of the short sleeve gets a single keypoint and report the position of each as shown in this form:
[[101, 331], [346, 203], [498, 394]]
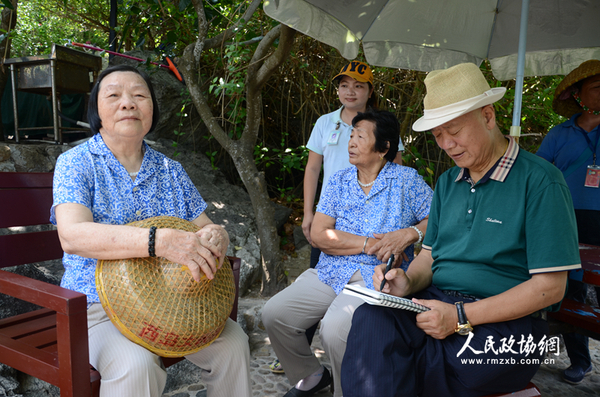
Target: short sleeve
[[316, 137], [547, 148], [434, 216], [551, 230], [71, 183], [420, 195], [193, 201], [330, 199]]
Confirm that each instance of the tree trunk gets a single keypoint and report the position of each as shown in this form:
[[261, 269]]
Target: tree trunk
[[273, 275], [264, 62], [7, 24]]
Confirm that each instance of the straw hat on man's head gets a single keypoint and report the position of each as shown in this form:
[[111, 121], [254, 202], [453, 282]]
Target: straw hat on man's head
[[564, 103], [453, 92]]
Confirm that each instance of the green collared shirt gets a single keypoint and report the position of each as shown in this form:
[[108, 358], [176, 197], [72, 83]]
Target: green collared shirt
[[490, 236]]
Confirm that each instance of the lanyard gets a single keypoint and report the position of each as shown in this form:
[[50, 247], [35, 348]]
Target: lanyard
[[589, 142]]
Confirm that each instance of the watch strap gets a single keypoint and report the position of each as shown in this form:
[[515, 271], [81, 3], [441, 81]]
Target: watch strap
[[462, 316]]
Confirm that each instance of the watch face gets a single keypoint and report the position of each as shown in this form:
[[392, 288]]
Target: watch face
[[465, 330]]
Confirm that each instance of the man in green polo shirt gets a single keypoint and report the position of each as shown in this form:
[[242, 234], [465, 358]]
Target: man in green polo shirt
[[500, 240]]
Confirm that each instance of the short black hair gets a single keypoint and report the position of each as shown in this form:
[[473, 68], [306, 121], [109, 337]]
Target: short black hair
[[387, 131], [92, 114]]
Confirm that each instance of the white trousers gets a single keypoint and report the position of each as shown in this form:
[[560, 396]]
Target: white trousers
[[291, 312], [130, 370]]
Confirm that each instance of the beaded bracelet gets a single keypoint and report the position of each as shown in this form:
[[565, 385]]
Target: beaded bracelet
[[420, 234], [151, 241]]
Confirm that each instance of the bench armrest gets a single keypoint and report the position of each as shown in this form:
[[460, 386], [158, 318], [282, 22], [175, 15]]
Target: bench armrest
[[50, 296]]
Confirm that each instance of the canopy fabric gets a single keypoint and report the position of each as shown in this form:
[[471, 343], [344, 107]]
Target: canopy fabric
[[435, 34]]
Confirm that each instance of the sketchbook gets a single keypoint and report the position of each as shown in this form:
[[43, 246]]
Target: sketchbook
[[373, 297]]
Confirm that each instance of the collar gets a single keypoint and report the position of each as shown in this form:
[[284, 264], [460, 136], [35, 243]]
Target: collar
[[571, 122], [386, 172], [98, 147], [500, 170], [336, 117]]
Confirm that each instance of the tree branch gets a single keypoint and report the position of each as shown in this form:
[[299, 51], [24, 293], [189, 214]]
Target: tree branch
[[259, 71], [187, 68], [227, 34], [202, 30], [262, 70]]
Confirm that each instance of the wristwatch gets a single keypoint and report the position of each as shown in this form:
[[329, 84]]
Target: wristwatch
[[463, 327]]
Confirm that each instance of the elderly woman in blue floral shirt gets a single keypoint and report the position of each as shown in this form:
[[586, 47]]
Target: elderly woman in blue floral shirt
[[116, 178], [368, 212]]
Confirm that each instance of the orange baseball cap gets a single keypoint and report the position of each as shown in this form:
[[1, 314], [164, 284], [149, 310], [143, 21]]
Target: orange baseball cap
[[359, 71]]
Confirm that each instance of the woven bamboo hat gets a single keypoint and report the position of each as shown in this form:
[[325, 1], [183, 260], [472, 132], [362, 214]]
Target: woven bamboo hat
[[158, 305], [564, 103], [453, 92]]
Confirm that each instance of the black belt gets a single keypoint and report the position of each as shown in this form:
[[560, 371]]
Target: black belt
[[455, 294], [460, 295]]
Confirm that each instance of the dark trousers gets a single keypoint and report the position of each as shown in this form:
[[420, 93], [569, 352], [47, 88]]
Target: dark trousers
[[388, 355], [577, 345], [588, 230]]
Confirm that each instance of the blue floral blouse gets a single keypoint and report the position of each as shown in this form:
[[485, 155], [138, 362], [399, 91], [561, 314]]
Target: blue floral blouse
[[89, 174], [399, 198]]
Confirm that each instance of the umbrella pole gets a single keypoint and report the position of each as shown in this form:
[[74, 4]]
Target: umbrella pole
[[515, 129]]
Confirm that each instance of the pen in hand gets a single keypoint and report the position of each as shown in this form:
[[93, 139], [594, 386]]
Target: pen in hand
[[387, 269]]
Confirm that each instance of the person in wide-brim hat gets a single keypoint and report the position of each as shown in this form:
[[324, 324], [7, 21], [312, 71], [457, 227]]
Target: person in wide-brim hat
[[500, 236], [572, 146], [453, 92], [565, 97]]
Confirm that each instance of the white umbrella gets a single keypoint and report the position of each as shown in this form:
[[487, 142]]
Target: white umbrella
[[426, 35]]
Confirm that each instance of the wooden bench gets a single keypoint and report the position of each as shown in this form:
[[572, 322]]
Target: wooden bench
[[575, 316], [50, 343]]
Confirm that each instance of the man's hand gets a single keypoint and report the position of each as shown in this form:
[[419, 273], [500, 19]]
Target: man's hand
[[440, 321], [397, 284]]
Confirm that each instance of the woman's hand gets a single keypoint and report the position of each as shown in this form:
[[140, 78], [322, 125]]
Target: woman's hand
[[187, 249], [440, 321], [306, 225], [216, 239], [393, 243]]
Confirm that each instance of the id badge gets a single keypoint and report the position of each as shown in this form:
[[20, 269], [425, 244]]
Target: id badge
[[334, 137], [592, 177]]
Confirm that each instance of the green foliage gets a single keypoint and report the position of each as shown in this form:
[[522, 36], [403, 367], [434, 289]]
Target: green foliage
[[40, 23], [423, 165], [293, 99], [186, 105], [537, 116], [228, 87], [288, 163], [7, 4]]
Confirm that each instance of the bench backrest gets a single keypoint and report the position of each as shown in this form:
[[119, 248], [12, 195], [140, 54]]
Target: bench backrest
[[25, 200]]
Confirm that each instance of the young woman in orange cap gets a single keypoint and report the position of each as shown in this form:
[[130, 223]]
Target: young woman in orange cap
[[328, 142]]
